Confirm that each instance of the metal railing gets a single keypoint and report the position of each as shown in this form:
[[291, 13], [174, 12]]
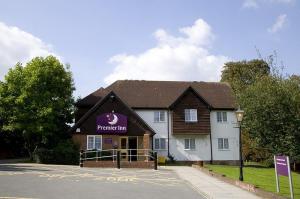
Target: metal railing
[[118, 155]]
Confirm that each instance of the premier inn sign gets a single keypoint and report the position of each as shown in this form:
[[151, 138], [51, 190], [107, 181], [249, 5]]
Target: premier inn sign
[[111, 123]]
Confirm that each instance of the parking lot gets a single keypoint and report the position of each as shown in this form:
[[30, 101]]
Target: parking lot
[[60, 181]]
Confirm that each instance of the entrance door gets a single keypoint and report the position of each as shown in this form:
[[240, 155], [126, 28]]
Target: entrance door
[[124, 148], [132, 143]]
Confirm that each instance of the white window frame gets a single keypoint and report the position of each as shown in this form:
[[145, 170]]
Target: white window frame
[[222, 117], [161, 116], [94, 142], [224, 141], [190, 115], [160, 143], [189, 148]]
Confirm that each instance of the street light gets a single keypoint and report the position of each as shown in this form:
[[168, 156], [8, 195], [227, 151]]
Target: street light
[[239, 116]]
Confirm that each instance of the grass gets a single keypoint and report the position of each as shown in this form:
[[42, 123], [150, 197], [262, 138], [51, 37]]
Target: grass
[[261, 177]]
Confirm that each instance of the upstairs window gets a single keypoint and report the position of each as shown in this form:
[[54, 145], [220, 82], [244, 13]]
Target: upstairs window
[[190, 115], [160, 143], [221, 116], [189, 144], [159, 116], [223, 143]]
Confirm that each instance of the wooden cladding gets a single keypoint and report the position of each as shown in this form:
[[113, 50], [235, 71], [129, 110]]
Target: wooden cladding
[[190, 100], [135, 126]]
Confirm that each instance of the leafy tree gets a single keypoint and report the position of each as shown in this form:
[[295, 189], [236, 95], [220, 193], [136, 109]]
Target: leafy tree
[[242, 74], [272, 114], [271, 103], [36, 100]]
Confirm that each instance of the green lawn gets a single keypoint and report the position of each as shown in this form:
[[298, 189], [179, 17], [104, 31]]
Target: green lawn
[[263, 178]]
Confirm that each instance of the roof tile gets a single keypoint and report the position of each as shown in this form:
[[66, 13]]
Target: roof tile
[[161, 94]]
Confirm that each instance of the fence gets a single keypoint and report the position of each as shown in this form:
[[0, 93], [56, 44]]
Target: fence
[[119, 156]]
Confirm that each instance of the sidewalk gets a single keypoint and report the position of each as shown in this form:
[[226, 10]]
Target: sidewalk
[[208, 186]]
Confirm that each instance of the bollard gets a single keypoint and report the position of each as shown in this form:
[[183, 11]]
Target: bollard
[[155, 160], [81, 158], [118, 159]]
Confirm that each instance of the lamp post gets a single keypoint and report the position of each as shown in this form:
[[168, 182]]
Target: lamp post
[[239, 116]]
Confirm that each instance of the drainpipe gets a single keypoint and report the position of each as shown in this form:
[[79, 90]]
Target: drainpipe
[[211, 150], [168, 135]]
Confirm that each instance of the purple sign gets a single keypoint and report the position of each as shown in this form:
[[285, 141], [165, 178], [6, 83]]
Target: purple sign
[[111, 123], [107, 140], [282, 165]]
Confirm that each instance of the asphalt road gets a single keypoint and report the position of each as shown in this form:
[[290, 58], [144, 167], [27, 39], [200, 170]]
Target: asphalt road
[[59, 181]]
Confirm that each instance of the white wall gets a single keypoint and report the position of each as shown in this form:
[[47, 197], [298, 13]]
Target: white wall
[[203, 150], [160, 128], [202, 142], [225, 130]]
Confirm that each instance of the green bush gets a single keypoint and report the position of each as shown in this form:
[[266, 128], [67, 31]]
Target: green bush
[[63, 153], [268, 162]]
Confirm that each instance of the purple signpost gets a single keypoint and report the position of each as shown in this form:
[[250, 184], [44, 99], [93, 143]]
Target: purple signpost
[[282, 168]]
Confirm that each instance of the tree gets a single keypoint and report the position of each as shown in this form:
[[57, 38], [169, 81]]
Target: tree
[[272, 107], [37, 101], [242, 74]]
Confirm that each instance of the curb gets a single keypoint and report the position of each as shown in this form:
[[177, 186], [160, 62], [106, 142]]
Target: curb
[[245, 186]]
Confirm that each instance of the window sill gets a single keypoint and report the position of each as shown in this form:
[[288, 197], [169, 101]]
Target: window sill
[[223, 149], [159, 122], [190, 149]]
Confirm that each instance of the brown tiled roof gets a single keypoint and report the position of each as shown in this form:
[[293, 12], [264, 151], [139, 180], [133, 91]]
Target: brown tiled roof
[[162, 94]]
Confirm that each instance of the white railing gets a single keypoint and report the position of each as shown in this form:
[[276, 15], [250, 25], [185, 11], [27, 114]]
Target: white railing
[[111, 154]]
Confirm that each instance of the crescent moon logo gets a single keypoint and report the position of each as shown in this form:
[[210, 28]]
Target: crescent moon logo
[[114, 121]]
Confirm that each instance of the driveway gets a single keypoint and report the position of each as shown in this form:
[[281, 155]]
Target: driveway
[[60, 181]]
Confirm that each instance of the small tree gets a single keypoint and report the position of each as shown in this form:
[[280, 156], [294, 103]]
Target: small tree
[[37, 101]]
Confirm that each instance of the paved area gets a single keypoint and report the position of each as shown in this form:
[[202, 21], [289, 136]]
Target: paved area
[[59, 181], [209, 186]]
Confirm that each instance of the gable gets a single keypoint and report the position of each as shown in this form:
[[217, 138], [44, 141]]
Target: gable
[[112, 104], [190, 100]]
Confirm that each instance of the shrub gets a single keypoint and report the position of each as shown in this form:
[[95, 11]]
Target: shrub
[[63, 153]]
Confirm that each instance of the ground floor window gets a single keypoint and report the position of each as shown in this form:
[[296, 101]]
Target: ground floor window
[[189, 144], [94, 142], [160, 143], [223, 143]]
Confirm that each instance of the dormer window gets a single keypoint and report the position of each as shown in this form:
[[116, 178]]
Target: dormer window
[[190, 115], [159, 116]]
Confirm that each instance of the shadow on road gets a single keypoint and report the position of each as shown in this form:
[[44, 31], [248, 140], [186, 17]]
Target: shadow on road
[[19, 168]]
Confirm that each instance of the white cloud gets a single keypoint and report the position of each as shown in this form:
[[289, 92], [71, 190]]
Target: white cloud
[[183, 57], [17, 45], [281, 1], [256, 3], [250, 4], [279, 23]]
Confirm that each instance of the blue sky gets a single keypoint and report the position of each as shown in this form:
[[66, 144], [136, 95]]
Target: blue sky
[[133, 39]]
